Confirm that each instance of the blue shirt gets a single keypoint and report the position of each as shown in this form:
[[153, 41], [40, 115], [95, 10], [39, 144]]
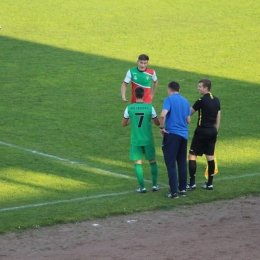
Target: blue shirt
[[178, 109]]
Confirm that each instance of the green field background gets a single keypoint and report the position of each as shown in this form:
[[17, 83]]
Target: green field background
[[62, 65]]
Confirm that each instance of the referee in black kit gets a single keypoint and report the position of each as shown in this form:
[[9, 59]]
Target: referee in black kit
[[205, 135]]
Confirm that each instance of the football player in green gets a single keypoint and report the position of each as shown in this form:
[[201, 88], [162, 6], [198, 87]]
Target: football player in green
[[141, 116]]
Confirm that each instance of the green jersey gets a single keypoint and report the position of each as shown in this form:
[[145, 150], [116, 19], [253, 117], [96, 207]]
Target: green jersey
[[140, 115]]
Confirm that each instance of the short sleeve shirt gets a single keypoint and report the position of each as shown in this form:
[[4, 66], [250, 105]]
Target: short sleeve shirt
[[207, 107], [140, 115], [178, 109], [141, 79]]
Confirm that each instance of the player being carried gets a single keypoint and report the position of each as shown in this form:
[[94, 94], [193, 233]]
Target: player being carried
[[141, 76], [141, 115]]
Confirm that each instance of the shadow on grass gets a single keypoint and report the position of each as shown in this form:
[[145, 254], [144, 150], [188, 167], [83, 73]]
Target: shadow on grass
[[68, 104]]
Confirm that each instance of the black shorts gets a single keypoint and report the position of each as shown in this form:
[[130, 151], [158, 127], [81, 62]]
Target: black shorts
[[203, 141]]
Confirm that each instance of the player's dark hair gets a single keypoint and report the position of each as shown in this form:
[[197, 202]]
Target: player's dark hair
[[206, 83], [143, 57], [174, 86], [139, 92]]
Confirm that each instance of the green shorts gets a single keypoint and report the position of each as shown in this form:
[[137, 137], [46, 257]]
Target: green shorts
[[136, 152]]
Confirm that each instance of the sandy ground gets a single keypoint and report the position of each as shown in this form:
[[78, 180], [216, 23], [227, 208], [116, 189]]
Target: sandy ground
[[218, 230]]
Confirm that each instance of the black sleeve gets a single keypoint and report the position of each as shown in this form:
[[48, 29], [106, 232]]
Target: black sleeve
[[197, 105], [218, 104]]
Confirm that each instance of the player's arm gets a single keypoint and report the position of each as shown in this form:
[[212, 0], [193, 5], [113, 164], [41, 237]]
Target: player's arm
[[217, 120], [154, 117], [124, 85], [192, 111], [126, 118], [162, 121], [188, 119], [125, 122], [123, 91], [155, 84], [154, 87], [156, 121]]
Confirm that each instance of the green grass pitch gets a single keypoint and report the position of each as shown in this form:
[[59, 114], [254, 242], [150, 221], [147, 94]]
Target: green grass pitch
[[62, 65]]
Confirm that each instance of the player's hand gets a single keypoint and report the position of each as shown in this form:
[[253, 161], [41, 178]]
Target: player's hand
[[124, 99], [163, 131]]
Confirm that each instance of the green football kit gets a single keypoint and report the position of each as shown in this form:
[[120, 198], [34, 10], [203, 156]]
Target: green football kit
[[141, 115]]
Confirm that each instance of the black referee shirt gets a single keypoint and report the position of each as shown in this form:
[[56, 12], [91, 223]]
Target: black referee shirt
[[207, 107]]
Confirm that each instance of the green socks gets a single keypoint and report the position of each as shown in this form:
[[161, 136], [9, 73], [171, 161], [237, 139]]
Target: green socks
[[154, 172], [139, 174]]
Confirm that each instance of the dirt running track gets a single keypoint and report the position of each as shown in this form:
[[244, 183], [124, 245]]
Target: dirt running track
[[218, 230]]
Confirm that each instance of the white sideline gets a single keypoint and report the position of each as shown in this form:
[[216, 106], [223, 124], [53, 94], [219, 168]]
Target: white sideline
[[112, 194], [105, 171], [72, 162], [65, 201], [64, 160]]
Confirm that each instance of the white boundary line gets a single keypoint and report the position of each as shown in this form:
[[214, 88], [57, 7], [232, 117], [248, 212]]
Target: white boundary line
[[65, 201], [238, 176], [111, 194], [64, 160], [105, 171], [54, 157]]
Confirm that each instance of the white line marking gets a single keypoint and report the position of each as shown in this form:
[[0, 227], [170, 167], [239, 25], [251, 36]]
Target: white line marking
[[72, 162], [65, 201], [97, 196], [232, 177], [238, 176], [64, 160], [112, 194]]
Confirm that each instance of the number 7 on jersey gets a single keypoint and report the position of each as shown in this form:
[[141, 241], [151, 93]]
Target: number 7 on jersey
[[141, 118]]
